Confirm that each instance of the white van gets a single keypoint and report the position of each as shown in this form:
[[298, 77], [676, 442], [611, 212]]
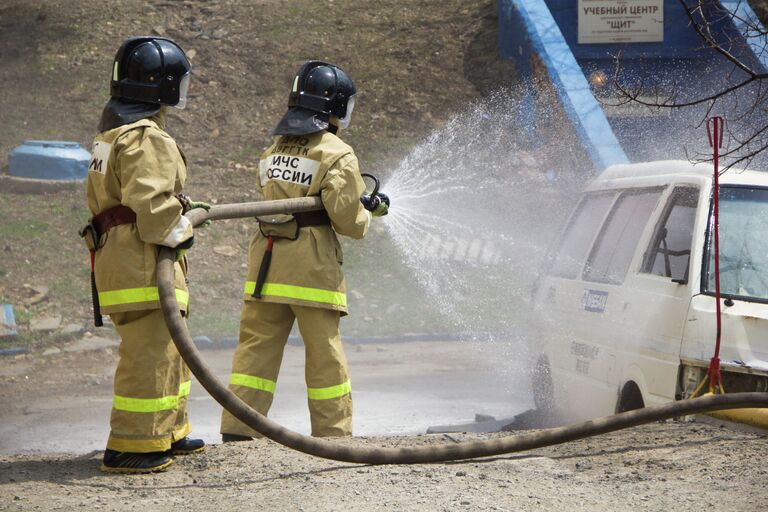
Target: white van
[[625, 310]]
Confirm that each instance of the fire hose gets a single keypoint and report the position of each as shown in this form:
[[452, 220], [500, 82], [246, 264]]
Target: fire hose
[[404, 455]]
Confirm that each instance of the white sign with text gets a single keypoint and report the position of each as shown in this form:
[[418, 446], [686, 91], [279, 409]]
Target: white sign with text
[[621, 21]]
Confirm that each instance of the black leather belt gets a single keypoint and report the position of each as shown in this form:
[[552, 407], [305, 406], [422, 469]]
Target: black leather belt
[[115, 216]]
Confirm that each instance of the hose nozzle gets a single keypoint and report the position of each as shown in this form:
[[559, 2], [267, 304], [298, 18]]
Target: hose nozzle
[[374, 200]]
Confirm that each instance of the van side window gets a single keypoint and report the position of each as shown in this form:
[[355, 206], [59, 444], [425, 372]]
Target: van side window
[[610, 258], [580, 233], [670, 249]]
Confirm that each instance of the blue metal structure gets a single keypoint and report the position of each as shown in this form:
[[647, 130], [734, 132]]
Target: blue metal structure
[[7, 321], [528, 27], [49, 160], [679, 66]]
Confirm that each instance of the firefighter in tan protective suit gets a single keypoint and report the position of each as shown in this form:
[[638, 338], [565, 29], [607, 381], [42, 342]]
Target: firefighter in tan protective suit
[[294, 269], [135, 178]]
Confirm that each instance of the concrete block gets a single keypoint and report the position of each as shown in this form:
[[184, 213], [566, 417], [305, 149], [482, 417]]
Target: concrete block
[[72, 329], [19, 185], [46, 323]]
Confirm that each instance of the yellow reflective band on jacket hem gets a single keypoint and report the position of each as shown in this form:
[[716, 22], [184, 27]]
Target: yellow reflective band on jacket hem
[[184, 388], [249, 381], [330, 392], [290, 291], [134, 295]]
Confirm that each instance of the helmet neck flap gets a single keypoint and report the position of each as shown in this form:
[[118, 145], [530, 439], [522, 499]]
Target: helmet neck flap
[[321, 98]]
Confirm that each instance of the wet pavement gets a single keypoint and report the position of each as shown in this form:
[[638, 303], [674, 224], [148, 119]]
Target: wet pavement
[[398, 388]]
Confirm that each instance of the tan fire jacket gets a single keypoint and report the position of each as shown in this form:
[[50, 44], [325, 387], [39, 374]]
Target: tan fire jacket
[[307, 271], [139, 166]]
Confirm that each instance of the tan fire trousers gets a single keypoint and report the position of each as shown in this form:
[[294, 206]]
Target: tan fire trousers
[[152, 383], [264, 330]]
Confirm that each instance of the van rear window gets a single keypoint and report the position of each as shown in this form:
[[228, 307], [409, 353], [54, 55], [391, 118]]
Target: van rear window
[[610, 258], [743, 245], [580, 234]]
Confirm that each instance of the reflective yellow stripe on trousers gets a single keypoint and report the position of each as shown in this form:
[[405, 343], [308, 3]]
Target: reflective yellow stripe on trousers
[[184, 388], [249, 381], [330, 391], [290, 291], [123, 403], [134, 295]]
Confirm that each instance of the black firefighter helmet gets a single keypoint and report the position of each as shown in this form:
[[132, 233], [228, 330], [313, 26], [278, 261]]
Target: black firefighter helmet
[[151, 70], [320, 90]]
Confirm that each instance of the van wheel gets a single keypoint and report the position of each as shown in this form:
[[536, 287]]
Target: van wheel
[[630, 398], [543, 395]]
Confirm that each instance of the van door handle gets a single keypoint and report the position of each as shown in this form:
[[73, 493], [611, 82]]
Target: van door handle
[[611, 367]]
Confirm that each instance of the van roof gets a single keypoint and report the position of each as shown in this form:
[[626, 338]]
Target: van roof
[[673, 170]]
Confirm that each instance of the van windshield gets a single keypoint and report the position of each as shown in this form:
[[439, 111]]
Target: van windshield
[[743, 245]]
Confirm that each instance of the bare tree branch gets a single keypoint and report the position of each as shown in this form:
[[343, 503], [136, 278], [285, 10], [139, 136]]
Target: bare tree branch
[[742, 97], [704, 30]]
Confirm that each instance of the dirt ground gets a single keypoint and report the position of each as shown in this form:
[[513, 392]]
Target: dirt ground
[[661, 466], [665, 466]]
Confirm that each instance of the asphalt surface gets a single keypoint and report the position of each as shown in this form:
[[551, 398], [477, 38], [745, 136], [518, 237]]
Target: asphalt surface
[[61, 402]]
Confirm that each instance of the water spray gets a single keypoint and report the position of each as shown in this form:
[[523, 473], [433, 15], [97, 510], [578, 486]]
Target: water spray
[[405, 455]]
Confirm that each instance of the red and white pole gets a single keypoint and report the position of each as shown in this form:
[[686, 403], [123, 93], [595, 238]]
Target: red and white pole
[[715, 126]]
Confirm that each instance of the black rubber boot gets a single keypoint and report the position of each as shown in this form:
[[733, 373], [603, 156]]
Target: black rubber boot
[[186, 445], [233, 438], [128, 462]]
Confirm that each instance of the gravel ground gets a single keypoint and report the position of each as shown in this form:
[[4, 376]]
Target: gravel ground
[[685, 465], [661, 466]]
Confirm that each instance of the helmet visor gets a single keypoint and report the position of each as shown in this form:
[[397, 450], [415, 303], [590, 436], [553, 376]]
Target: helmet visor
[[344, 121], [183, 90]]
